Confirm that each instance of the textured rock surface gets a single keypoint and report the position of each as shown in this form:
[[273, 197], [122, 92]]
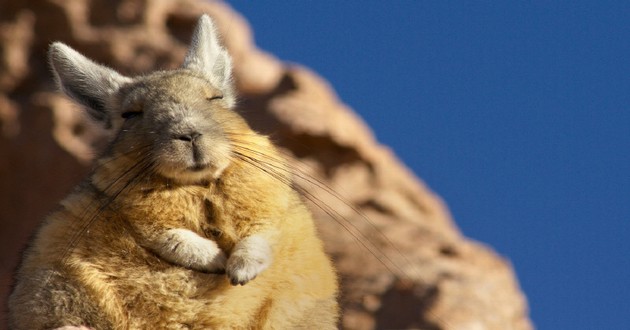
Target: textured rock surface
[[437, 279]]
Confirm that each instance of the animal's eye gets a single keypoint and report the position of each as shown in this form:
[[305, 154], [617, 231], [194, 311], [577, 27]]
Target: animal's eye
[[131, 114], [216, 97]]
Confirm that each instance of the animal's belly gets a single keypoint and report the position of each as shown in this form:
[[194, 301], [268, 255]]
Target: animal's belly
[[177, 298]]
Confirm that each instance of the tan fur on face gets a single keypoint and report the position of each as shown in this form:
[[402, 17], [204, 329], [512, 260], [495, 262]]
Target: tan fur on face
[[144, 242]]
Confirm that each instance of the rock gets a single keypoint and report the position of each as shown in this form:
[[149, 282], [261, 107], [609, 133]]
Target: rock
[[429, 275]]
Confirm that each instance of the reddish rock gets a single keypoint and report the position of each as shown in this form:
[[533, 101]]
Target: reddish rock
[[429, 275]]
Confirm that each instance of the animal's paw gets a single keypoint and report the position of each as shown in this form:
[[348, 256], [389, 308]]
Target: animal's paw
[[185, 248], [249, 258], [214, 264]]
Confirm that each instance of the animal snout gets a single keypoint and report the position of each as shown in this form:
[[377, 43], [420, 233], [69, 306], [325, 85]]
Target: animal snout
[[188, 137]]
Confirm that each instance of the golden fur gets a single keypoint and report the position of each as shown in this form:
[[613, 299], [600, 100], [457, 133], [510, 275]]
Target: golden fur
[[171, 222]]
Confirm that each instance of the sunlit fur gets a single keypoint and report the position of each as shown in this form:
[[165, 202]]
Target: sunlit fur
[[171, 231]]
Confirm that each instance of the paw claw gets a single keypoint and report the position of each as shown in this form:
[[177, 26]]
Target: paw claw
[[250, 258], [235, 281]]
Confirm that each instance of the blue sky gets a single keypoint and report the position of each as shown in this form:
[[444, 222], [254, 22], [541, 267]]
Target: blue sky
[[516, 113]]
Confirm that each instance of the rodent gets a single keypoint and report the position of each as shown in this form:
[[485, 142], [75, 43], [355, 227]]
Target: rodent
[[188, 220]]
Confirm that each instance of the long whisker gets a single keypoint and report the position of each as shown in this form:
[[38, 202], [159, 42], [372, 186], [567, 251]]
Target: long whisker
[[138, 150], [349, 226], [139, 171], [268, 169], [271, 165], [320, 184]]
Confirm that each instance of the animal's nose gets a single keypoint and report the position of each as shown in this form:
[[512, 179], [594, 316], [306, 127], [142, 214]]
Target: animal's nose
[[190, 137]]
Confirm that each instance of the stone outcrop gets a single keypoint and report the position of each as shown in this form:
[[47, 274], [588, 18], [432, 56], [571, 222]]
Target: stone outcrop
[[429, 275]]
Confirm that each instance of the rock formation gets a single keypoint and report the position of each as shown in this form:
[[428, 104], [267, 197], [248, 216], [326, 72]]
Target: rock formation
[[434, 279]]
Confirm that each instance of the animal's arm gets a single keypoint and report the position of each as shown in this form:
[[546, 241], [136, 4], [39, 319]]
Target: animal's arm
[[185, 248], [250, 256], [256, 245], [162, 224]]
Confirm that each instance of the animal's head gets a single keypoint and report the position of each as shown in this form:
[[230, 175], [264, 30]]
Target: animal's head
[[172, 121]]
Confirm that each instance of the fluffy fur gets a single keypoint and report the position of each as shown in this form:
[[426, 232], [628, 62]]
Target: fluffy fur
[[188, 220]]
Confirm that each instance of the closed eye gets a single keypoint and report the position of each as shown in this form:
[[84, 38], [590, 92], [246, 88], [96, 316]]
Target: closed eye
[[216, 97], [131, 114]]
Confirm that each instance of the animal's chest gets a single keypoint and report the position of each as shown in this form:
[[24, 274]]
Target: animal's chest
[[170, 296]]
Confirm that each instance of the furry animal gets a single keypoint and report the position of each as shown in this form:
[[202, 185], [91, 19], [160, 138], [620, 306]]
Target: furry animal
[[188, 220]]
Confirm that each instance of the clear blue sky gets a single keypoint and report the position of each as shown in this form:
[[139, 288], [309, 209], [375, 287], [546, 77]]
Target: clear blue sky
[[517, 113]]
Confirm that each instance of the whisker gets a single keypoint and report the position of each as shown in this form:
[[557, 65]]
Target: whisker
[[346, 224], [321, 185], [143, 170], [269, 171], [272, 169], [139, 150]]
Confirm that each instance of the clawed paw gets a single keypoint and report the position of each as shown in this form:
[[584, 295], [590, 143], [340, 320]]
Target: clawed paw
[[240, 270], [215, 265], [250, 257]]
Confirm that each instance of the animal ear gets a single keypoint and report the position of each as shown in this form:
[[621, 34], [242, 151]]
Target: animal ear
[[207, 56], [84, 81]]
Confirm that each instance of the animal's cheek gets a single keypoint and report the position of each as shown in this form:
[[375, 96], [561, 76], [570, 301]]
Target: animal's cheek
[[220, 158], [214, 152], [172, 155]]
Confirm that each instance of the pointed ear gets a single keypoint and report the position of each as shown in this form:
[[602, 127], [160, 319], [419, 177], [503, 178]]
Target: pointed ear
[[84, 81], [207, 56]]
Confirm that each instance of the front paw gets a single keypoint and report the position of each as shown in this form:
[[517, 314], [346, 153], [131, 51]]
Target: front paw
[[212, 264], [249, 258], [185, 248]]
